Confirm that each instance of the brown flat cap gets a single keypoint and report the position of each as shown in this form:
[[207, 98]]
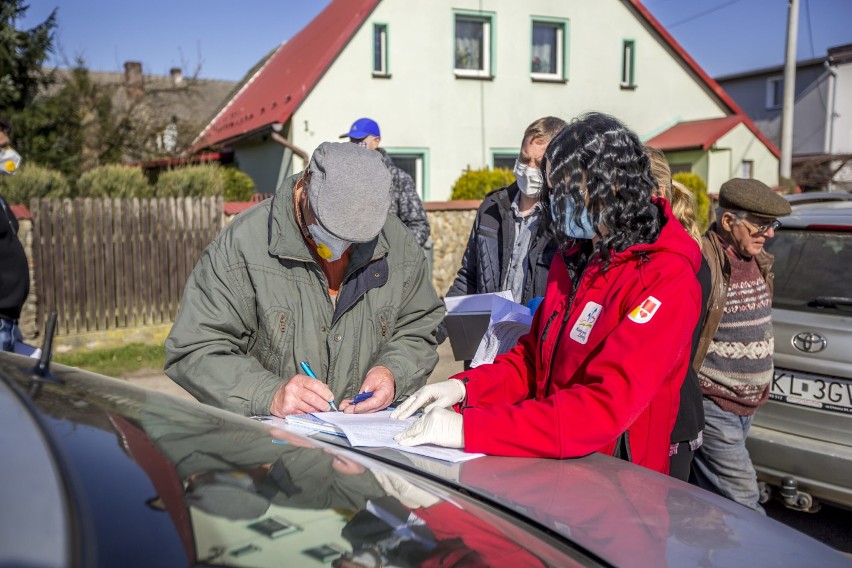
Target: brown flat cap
[[752, 196]]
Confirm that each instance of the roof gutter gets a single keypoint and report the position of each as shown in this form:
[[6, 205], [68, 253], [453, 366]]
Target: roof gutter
[[287, 144]]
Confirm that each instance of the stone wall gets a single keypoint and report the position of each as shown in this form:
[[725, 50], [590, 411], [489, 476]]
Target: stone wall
[[451, 222], [28, 315]]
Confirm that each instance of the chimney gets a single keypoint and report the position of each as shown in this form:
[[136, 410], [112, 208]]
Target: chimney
[[133, 79], [177, 76]]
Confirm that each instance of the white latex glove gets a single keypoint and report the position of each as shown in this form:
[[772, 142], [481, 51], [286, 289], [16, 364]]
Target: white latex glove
[[409, 495], [439, 426], [437, 395]]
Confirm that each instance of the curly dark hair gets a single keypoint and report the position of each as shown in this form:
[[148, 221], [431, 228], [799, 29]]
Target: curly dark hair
[[599, 156]]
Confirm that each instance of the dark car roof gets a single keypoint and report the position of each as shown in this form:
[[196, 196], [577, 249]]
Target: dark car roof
[[159, 481], [834, 213], [798, 199]]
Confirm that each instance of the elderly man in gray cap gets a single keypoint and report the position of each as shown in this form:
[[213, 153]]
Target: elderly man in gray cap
[[312, 297], [734, 355]]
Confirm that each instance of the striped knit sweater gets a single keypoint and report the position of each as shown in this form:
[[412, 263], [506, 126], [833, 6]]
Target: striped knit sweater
[[738, 368]]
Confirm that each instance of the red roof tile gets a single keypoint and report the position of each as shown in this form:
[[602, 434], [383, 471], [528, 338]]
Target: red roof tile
[[20, 212], [274, 92], [234, 207], [695, 134]]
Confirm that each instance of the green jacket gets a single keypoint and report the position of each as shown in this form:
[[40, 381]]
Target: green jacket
[[251, 313]]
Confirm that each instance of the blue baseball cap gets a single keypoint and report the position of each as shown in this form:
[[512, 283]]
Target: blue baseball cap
[[362, 128]]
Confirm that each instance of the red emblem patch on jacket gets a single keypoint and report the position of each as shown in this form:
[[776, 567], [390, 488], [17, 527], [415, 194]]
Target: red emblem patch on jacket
[[645, 311]]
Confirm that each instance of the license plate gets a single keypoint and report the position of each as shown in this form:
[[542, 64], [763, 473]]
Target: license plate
[[808, 390]]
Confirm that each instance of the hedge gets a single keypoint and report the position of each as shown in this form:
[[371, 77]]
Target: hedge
[[702, 200], [33, 181], [476, 184], [121, 182], [191, 181]]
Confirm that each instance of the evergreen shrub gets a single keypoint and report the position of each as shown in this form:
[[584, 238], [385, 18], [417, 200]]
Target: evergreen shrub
[[115, 181], [34, 181], [191, 181], [476, 184], [702, 200], [238, 185]]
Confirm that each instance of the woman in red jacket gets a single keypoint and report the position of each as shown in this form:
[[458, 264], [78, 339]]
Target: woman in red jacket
[[602, 366]]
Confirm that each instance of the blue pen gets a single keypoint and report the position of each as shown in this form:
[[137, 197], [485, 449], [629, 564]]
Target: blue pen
[[361, 397], [310, 372]]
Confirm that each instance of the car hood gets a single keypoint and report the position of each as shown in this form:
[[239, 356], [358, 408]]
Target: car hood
[[154, 480]]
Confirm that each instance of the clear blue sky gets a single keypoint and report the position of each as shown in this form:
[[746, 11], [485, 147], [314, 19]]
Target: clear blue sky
[[224, 38]]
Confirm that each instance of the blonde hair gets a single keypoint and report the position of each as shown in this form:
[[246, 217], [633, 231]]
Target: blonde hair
[[683, 208], [660, 170]]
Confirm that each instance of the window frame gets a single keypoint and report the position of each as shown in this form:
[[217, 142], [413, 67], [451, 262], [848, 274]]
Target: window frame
[[384, 48], [505, 153], [421, 182], [562, 27], [631, 79], [488, 39], [747, 164], [770, 92]]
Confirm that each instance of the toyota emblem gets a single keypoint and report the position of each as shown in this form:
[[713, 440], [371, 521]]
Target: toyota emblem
[[809, 342]]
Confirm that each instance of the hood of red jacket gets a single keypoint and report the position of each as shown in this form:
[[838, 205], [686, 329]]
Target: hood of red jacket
[[673, 239]]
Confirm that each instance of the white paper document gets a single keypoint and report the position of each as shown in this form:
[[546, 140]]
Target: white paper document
[[500, 337], [475, 303], [374, 430]]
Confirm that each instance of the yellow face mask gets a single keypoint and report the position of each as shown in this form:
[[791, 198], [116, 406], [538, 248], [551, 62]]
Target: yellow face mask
[[329, 247], [10, 160]]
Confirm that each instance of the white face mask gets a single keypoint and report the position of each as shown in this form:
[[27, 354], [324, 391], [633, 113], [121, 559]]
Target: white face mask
[[529, 179], [9, 161], [329, 247]]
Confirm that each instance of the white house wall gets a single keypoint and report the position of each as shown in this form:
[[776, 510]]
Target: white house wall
[[842, 134], [461, 121], [728, 154]]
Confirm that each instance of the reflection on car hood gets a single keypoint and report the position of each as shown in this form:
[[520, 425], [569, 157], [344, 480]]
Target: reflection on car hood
[[162, 481]]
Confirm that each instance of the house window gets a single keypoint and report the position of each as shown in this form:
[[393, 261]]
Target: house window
[[680, 168], [505, 160], [380, 50], [415, 164], [748, 169], [473, 45], [774, 92], [548, 50], [628, 64]]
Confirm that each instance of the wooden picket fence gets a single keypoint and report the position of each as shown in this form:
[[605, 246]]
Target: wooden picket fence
[[114, 263]]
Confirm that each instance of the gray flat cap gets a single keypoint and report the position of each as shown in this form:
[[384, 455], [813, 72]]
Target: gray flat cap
[[752, 196], [349, 190]]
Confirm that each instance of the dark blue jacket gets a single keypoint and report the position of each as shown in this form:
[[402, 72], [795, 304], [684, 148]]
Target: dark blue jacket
[[489, 250]]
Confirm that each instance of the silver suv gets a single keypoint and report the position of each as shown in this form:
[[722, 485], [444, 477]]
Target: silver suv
[[801, 440]]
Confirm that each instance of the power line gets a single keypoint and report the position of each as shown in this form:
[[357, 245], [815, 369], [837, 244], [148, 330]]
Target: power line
[[702, 14], [810, 28]]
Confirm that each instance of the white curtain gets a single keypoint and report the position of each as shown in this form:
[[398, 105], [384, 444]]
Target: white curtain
[[544, 49], [469, 45]]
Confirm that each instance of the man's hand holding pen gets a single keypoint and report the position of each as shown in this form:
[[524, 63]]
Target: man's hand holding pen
[[301, 394], [380, 382]]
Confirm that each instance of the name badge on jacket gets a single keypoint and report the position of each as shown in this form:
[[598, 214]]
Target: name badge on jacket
[[583, 328]]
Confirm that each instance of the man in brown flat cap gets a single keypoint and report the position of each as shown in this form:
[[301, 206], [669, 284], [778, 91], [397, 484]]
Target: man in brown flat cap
[[734, 355]]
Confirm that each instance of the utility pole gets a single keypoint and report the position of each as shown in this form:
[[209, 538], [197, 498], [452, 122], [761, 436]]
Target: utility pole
[[786, 166]]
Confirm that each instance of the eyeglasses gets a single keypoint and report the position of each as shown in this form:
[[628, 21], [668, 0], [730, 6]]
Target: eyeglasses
[[775, 224]]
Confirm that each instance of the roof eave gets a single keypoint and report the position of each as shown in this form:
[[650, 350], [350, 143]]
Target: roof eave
[[712, 85]]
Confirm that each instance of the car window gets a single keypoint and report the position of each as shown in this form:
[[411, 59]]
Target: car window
[[812, 270]]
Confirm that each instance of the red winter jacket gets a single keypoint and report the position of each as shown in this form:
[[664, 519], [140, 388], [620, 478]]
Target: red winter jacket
[[612, 361]]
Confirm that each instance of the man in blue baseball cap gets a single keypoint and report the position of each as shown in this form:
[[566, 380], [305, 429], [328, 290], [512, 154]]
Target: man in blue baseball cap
[[405, 203]]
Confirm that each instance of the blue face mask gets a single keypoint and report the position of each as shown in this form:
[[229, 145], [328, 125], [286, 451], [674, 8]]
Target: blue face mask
[[585, 230]]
